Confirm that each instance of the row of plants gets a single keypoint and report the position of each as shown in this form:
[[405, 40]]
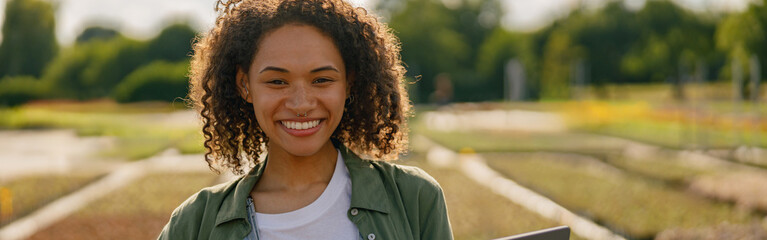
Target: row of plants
[[627, 204], [22, 196], [638, 197], [137, 211], [475, 211]]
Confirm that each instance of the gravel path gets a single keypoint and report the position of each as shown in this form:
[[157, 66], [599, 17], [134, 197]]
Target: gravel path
[[29, 152]]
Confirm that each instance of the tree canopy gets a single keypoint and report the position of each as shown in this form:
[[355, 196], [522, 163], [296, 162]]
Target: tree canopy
[[29, 40]]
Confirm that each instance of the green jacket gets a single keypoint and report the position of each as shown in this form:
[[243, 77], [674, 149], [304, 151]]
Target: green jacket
[[389, 201]]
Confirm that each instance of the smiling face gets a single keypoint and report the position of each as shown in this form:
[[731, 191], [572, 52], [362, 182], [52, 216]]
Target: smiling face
[[297, 70]]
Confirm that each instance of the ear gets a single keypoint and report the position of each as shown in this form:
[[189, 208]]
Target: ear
[[243, 84]]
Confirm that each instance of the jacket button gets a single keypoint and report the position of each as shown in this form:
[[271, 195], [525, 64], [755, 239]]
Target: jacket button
[[355, 212], [371, 236]]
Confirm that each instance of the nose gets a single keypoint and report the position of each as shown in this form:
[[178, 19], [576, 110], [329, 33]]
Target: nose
[[301, 99]]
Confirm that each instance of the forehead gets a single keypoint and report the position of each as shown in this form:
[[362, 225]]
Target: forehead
[[297, 46]]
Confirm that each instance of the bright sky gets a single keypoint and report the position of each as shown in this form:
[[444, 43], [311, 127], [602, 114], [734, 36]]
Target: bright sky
[[143, 18]]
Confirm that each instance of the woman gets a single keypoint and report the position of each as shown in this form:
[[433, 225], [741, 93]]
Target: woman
[[317, 83]]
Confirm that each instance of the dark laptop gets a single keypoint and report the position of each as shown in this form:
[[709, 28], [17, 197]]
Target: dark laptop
[[555, 233]]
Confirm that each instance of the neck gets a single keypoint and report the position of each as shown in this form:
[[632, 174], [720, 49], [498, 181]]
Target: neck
[[285, 171]]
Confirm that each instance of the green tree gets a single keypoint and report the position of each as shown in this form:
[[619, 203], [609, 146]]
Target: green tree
[[657, 43], [559, 55], [673, 41], [597, 39], [29, 40], [440, 39], [606, 37], [429, 43], [97, 33], [493, 55], [94, 68], [742, 35], [174, 43]]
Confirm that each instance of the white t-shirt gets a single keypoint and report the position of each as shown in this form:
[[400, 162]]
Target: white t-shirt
[[325, 218]]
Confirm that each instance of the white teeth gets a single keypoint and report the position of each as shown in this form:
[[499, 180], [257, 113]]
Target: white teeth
[[301, 125]]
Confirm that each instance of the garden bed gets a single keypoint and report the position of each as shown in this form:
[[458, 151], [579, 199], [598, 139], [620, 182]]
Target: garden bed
[[28, 194], [138, 211], [475, 211], [625, 203]]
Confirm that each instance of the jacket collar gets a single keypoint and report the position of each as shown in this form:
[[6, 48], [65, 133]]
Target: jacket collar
[[368, 190], [234, 205]]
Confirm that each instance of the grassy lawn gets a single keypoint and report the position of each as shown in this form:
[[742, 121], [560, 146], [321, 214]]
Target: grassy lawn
[[505, 141], [139, 211], [659, 168], [475, 211], [33, 192], [680, 135], [142, 130], [627, 204], [662, 168]]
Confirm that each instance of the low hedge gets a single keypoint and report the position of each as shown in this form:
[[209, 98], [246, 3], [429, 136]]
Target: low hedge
[[157, 81], [20, 89]]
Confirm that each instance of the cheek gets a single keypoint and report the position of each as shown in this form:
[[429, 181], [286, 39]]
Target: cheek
[[336, 100], [264, 105]]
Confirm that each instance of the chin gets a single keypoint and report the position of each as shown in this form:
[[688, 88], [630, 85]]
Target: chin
[[303, 152], [304, 149]]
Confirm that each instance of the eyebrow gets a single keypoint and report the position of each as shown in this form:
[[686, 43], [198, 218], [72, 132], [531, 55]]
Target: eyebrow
[[325, 68], [320, 69], [270, 68]]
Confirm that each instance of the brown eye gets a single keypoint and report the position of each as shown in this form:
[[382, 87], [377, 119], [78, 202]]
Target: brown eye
[[322, 80], [277, 82]]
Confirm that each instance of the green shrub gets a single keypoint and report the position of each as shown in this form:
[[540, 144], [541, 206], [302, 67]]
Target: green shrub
[[65, 72], [92, 70], [158, 80], [174, 43], [111, 63], [17, 90]]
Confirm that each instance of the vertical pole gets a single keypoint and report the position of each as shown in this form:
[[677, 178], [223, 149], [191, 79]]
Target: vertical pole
[[577, 79], [507, 78], [514, 87]]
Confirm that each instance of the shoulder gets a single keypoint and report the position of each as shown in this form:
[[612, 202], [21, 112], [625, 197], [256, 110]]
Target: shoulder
[[197, 210], [410, 179], [422, 200], [201, 199]]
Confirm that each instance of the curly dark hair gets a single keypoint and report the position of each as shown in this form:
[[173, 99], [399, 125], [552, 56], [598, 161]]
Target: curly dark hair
[[374, 120]]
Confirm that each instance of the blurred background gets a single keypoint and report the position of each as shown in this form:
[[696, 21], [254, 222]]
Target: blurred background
[[646, 119]]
